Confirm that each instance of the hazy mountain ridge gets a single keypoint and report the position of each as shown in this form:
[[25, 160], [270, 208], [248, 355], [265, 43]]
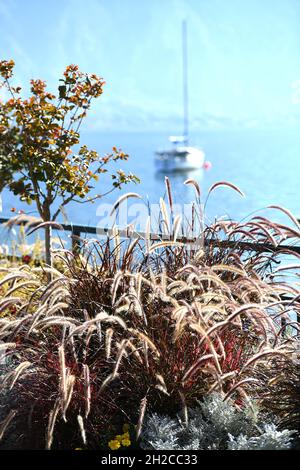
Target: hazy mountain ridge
[[243, 57]]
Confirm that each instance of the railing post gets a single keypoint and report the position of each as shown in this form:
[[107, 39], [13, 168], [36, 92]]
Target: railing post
[[76, 245], [283, 326]]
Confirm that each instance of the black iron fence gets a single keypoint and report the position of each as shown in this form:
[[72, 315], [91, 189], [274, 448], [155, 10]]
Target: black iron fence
[[78, 232]]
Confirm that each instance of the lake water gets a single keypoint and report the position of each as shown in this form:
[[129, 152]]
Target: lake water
[[264, 164]]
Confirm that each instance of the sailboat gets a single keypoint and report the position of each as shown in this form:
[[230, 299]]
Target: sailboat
[[181, 157]]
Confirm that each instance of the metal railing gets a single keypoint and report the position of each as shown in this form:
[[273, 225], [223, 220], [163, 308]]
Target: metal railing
[[78, 230]]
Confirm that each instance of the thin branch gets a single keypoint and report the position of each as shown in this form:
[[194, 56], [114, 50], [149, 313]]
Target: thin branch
[[64, 203], [98, 196]]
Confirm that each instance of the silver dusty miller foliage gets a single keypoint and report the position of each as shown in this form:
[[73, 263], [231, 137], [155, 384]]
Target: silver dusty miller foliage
[[214, 425]]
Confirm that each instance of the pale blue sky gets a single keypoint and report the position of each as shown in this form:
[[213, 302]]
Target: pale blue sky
[[244, 56]]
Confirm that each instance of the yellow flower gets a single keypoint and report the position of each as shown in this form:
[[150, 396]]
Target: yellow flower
[[78, 448], [126, 435], [126, 442], [114, 444], [119, 437]]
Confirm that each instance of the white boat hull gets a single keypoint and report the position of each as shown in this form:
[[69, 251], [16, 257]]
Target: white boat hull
[[181, 159]]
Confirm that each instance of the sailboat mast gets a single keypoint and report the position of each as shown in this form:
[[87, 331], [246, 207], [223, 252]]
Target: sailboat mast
[[185, 82]]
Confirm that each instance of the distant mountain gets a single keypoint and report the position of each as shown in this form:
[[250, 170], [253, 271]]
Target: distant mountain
[[136, 119], [244, 57]]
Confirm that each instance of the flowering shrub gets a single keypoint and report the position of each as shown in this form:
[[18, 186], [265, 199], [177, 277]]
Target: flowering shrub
[[119, 441]]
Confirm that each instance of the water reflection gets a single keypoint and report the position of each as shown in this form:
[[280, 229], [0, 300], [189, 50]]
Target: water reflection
[[180, 176], [182, 193]]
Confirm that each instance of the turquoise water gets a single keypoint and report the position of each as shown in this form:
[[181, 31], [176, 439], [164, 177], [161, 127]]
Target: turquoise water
[[264, 164]]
